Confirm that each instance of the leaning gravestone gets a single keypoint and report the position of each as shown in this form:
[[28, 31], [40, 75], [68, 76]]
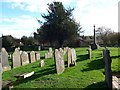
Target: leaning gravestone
[[4, 57], [37, 56], [32, 57], [24, 58], [69, 57], [108, 72], [16, 58], [73, 53], [59, 61]]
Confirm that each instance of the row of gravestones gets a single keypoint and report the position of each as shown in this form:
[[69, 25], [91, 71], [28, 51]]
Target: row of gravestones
[[19, 58], [59, 58]]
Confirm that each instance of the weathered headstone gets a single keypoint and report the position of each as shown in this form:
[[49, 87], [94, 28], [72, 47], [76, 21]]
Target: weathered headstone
[[16, 60], [89, 53], [1, 74], [59, 61], [108, 61], [42, 63], [37, 56], [69, 57], [32, 57], [61, 50], [24, 58], [73, 52], [4, 57]]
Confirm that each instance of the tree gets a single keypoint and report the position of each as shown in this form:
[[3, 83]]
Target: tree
[[9, 41], [60, 26], [103, 34], [28, 40]]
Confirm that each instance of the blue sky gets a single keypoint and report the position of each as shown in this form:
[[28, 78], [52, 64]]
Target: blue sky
[[18, 17]]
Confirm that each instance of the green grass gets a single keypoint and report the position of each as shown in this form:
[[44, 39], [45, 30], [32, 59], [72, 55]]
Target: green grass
[[83, 75]]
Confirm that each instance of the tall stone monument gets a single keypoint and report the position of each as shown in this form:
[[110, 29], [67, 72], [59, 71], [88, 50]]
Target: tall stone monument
[[94, 45]]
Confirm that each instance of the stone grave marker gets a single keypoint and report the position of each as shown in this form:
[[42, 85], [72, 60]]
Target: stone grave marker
[[69, 57], [73, 53], [59, 61], [1, 74], [39, 48], [32, 57], [24, 58], [42, 63], [108, 73], [37, 56], [89, 53], [16, 60], [4, 57]]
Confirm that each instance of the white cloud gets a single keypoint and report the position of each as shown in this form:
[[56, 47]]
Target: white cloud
[[99, 12], [23, 25]]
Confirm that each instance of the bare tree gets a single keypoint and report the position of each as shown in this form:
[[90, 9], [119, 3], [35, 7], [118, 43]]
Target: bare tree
[[103, 34]]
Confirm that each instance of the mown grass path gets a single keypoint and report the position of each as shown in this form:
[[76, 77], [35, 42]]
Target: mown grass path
[[87, 74]]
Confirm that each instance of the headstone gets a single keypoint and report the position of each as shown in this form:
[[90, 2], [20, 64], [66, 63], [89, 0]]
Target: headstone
[[16, 58], [89, 53], [4, 57], [0, 74], [73, 52], [19, 48], [46, 55], [10, 56], [69, 57], [24, 58], [42, 63], [108, 61], [61, 50], [37, 55], [32, 57], [39, 48], [50, 50], [65, 50], [59, 61]]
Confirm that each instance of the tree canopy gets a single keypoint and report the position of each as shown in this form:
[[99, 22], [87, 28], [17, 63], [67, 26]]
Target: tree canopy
[[59, 25]]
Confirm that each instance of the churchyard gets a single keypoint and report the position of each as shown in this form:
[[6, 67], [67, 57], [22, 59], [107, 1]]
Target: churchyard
[[57, 70]]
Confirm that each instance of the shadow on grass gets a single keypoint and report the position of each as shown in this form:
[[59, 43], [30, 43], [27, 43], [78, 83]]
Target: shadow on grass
[[82, 57], [42, 57], [94, 65], [115, 56], [38, 75], [97, 85]]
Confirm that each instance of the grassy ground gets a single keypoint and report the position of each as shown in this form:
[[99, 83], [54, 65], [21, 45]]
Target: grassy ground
[[87, 74]]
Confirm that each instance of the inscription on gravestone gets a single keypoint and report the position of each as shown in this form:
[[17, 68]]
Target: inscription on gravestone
[[16, 58]]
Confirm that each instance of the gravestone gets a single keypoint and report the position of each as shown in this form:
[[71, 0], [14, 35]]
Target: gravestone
[[37, 56], [69, 57], [108, 73], [73, 53], [24, 58], [61, 50], [21, 52], [32, 57], [39, 48], [1, 74], [16, 58], [59, 61], [42, 63], [65, 50], [4, 57], [89, 53], [50, 50], [50, 53], [46, 55]]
